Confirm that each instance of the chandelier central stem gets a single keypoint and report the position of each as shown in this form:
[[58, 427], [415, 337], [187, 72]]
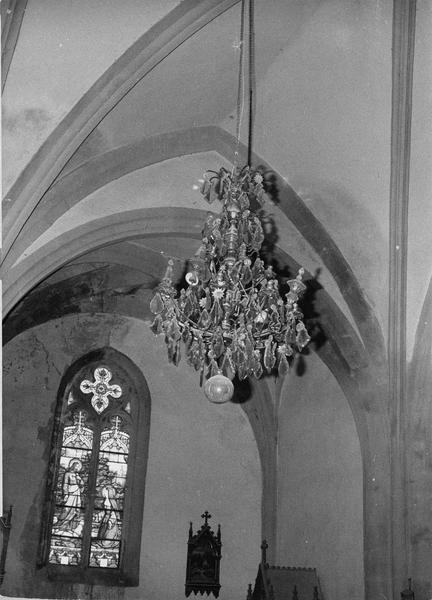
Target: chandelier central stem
[[251, 79]]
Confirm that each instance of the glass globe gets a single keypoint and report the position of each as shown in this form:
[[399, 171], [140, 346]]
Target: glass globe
[[219, 389]]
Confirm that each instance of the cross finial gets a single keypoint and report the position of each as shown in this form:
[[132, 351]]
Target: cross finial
[[79, 419], [264, 547], [206, 516], [116, 421]]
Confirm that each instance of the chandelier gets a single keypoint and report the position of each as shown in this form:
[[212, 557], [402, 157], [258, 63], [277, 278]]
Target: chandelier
[[231, 316], [230, 319]]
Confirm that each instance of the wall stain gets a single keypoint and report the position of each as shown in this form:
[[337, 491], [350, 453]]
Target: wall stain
[[422, 535]]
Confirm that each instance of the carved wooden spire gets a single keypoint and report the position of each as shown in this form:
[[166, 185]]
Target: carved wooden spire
[[203, 558]]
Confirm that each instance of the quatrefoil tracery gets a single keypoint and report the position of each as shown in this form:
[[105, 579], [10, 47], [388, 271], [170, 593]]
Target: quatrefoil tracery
[[101, 389]]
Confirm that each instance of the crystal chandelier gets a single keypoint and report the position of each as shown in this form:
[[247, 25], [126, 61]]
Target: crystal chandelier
[[230, 317]]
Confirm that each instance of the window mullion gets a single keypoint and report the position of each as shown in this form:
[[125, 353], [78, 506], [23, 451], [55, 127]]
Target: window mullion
[[93, 466]]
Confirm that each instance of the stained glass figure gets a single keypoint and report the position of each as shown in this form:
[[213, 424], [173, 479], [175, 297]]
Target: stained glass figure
[[107, 519], [70, 496], [101, 389]]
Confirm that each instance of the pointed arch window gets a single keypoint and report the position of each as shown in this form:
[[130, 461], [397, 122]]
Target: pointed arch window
[[92, 525]]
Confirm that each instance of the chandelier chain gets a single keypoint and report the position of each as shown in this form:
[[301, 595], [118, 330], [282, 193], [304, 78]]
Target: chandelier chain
[[240, 87], [251, 79]]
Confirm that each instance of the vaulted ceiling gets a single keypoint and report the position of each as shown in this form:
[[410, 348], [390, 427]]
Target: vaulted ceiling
[[112, 113]]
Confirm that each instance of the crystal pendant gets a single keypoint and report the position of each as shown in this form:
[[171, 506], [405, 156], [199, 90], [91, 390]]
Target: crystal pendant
[[247, 273], [242, 370], [188, 306], [186, 335], [289, 351], [290, 336], [302, 337], [156, 304], [213, 368], [193, 355], [207, 300], [156, 326], [204, 320], [218, 344], [296, 285], [174, 330], [291, 297], [283, 366], [257, 368], [228, 368], [269, 355]]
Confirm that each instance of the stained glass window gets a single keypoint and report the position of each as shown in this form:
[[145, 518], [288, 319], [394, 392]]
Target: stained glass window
[[88, 515], [96, 477]]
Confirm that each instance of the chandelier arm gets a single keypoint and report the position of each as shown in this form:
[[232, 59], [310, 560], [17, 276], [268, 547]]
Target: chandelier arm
[[192, 324]]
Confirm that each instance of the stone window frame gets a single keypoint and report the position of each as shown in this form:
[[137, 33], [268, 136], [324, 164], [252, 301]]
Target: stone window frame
[[128, 572]]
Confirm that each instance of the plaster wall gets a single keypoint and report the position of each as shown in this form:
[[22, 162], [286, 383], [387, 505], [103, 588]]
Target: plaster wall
[[200, 457], [320, 484]]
